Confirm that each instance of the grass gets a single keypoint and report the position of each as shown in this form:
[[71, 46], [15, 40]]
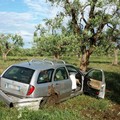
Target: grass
[[80, 107], [72, 109]]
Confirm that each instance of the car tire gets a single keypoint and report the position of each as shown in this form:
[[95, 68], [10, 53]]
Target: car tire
[[52, 100], [43, 102]]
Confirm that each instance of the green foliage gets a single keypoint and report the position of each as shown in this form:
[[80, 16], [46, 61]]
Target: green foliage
[[9, 42], [8, 114], [58, 38], [51, 113], [56, 44], [17, 40]]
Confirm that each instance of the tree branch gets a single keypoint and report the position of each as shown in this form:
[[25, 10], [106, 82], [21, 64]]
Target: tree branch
[[109, 26], [82, 18], [91, 14], [72, 13]]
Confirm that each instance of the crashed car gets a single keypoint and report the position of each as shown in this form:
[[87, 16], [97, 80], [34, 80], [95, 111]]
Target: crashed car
[[37, 82]]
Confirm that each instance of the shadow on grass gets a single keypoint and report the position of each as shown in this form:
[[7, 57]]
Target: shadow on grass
[[17, 59], [113, 86], [101, 62]]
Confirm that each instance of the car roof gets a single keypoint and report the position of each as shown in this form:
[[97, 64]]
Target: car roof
[[40, 64]]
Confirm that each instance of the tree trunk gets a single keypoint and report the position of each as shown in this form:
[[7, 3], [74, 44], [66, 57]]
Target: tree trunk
[[4, 56], [56, 56], [115, 61], [84, 61], [85, 58]]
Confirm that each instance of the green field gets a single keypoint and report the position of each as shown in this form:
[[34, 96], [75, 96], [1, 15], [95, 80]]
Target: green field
[[78, 108]]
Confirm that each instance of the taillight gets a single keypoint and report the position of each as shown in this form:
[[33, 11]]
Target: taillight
[[31, 89]]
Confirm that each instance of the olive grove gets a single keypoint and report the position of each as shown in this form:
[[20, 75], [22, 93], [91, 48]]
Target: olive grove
[[89, 24]]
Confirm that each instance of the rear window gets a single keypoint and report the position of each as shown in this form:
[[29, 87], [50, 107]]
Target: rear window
[[19, 74]]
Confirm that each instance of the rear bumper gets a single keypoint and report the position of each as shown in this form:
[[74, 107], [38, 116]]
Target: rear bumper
[[30, 103], [6, 99], [12, 101]]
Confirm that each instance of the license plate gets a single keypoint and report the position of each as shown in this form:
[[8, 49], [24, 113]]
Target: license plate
[[13, 87]]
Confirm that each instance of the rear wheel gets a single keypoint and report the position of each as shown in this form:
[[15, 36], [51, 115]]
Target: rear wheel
[[52, 100], [42, 103]]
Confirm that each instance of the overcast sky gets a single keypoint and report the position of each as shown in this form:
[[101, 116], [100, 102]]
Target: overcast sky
[[21, 16]]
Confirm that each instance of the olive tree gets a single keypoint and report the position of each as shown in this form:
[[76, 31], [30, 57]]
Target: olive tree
[[89, 20], [9, 42], [50, 43]]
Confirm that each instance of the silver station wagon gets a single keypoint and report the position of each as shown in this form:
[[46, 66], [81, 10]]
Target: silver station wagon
[[37, 82]]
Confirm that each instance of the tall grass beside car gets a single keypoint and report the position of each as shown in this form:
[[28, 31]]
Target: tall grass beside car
[[80, 107]]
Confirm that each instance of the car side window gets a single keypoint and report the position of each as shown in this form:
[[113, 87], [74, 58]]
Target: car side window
[[45, 76], [95, 74], [61, 74], [71, 69]]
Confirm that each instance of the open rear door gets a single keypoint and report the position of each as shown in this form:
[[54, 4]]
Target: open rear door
[[94, 83]]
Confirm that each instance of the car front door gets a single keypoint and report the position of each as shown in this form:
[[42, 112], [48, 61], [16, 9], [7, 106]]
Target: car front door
[[94, 83]]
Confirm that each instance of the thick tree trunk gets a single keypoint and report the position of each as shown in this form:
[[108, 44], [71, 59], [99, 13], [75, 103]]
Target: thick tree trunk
[[115, 61], [84, 61], [85, 58], [56, 56], [5, 53]]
